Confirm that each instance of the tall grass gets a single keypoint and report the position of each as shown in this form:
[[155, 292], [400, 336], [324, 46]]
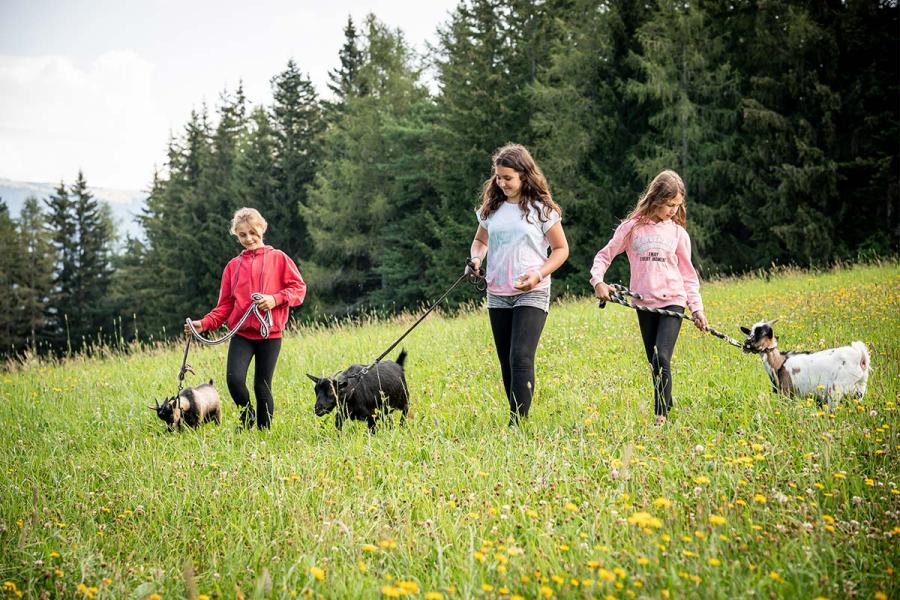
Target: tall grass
[[742, 492]]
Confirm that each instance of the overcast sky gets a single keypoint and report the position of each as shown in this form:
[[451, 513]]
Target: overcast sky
[[99, 84]]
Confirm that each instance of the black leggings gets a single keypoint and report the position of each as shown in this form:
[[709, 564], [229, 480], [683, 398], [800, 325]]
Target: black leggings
[[660, 334], [517, 332], [240, 351]]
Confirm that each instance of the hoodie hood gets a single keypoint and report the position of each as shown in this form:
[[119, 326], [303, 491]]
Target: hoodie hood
[[258, 251]]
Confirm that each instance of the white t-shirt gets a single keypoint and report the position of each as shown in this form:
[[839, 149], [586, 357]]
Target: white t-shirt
[[515, 246]]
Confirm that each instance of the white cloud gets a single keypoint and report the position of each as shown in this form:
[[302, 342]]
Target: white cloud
[[56, 117]]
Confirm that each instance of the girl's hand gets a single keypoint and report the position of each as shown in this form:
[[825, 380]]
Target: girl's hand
[[477, 270], [198, 325], [601, 291], [700, 321], [266, 302], [527, 282]]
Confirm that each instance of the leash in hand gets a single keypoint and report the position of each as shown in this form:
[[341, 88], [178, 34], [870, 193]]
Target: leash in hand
[[475, 278], [265, 325], [619, 293]]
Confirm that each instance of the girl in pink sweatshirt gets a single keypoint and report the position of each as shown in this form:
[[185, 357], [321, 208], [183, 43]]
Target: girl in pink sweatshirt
[[659, 253]]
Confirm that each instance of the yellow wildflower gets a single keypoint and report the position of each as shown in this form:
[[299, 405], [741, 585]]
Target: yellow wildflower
[[645, 520], [318, 573]]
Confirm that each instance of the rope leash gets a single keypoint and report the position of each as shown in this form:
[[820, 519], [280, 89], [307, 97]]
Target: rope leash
[[265, 325], [475, 279], [619, 297]]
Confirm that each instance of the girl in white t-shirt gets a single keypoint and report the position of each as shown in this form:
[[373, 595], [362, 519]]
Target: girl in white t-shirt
[[518, 224]]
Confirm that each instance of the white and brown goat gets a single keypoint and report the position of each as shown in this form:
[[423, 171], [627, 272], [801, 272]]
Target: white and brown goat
[[192, 406], [828, 375]]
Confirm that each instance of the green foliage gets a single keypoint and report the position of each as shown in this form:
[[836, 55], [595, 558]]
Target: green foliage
[[782, 117], [11, 271], [588, 496], [371, 187], [36, 282], [298, 123]]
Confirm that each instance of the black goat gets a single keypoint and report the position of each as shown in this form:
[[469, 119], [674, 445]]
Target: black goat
[[193, 406], [362, 393]]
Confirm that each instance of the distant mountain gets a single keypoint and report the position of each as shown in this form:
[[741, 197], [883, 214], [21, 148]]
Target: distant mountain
[[124, 204]]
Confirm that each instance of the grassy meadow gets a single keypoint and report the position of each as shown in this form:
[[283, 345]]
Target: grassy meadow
[[743, 493]]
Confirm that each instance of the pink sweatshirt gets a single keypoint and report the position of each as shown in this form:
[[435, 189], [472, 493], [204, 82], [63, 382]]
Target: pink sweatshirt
[[660, 259]]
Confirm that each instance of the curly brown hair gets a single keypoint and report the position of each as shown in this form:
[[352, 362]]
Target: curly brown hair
[[534, 184]]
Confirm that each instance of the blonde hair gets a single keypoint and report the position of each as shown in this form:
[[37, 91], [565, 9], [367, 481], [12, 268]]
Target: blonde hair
[[250, 216], [663, 188]]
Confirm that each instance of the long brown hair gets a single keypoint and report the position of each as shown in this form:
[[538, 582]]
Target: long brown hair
[[663, 188], [534, 185]]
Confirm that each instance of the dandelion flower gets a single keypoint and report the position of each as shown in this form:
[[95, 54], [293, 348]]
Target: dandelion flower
[[717, 520], [714, 562], [759, 499], [645, 520], [318, 573], [662, 503]]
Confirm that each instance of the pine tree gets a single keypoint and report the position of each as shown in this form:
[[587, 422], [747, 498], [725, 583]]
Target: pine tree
[[13, 333], [298, 124], [786, 148], [344, 82], [366, 186], [37, 271], [257, 172], [587, 125], [486, 60], [91, 314], [64, 235], [692, 94]]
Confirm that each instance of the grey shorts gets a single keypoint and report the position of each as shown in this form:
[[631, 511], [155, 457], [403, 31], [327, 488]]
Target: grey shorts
[[536, 298]]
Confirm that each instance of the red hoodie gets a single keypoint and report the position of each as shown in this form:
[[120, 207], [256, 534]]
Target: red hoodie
[[264, 270]]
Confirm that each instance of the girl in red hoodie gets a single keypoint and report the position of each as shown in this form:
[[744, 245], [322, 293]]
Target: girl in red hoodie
[[271, 273]]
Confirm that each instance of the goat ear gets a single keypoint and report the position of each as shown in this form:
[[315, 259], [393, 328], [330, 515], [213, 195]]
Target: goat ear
[[745, 330], [772, 322], [342, 384], [313, 377]]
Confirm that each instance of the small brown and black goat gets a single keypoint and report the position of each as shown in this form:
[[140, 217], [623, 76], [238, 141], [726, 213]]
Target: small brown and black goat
[[192, 406]]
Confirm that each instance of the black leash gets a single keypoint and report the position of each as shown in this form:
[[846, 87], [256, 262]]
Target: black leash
[[478, 282], [618, 296]]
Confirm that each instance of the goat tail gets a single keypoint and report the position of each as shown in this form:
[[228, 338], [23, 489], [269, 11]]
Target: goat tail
[[402, 358], [865, 362]]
